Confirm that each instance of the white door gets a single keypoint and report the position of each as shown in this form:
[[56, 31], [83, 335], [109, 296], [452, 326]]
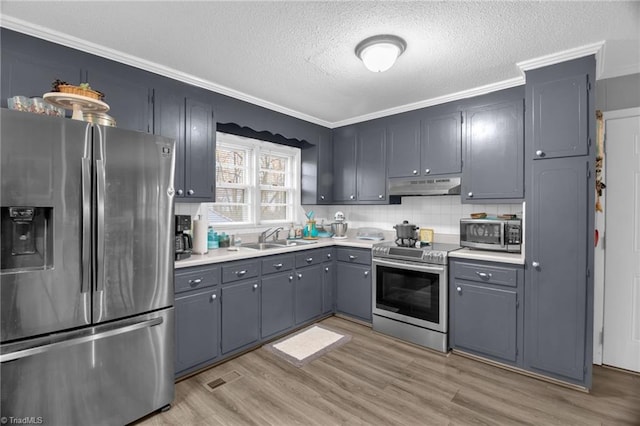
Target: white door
[[621, 340]]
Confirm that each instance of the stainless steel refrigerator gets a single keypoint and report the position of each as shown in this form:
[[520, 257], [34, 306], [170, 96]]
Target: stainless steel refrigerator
[[86, 279]]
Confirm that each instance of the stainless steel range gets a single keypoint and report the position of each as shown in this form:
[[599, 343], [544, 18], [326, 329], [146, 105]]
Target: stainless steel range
[[410, 293]]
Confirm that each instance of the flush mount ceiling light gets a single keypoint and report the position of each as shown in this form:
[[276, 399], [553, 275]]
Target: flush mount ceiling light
[[379, 53]]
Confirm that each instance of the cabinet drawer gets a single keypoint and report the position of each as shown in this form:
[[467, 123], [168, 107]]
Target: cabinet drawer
[[273, 264], [193, 278], [239, 271], [362, 257], [487, 274], [309, 257]]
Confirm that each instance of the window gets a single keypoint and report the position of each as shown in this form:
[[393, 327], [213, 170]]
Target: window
[[256, 182]]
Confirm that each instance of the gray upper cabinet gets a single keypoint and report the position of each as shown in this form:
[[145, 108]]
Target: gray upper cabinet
[[169, 121], [371, 170], [441, 142], [344, 164], [494, 152], [200, 151], [403, 148], [559, 117], [325, 170]]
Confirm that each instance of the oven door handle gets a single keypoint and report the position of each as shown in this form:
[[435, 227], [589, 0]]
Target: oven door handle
[[413, 266]]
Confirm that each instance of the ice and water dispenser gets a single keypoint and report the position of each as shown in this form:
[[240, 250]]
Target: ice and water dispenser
[[26, 238]]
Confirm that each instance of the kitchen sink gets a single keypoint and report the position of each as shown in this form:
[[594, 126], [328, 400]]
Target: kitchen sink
[[290, 243], [262, 246]]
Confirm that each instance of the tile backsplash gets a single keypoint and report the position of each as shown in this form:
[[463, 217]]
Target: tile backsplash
[[441, 213]]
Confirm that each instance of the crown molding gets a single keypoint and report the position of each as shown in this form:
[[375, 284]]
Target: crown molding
[[469, 93], [105, 52], [596, 48]]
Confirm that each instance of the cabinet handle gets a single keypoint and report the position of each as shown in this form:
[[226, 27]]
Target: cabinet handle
[[309, 259], [290, 277], [241, 273], [180, 192], [196, 281], [328, 255], [366, 273], [255, 286], [214, 297], [322, 197], [277, 265], [352, 257], [459, 289], [326, 269], [299, 276], [351, 197], [535, 264], [380, 196], [427, 171], [191, 192], [470, 194], [540, 153], [415, 172], [483, 275]]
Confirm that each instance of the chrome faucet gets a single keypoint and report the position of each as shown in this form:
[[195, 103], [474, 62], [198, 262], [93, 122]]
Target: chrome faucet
[[266, 234]]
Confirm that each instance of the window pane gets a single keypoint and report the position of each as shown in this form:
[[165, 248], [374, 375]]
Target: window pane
[[273, 212], [229, 174], [273, 162], [220, 213], [272, 178], [273, 197], [230, 156], [230, 195]]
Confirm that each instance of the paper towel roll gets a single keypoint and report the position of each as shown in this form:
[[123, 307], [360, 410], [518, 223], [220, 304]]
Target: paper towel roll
[[200, 236]]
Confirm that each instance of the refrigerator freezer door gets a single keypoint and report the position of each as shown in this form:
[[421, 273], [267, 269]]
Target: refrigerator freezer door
[[133, 272], [41, 289], [111, 374]]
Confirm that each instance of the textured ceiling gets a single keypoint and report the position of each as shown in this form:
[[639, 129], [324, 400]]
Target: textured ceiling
[[298, 57]]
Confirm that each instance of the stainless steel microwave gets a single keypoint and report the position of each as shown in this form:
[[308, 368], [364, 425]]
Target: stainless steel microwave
[[492, 234]]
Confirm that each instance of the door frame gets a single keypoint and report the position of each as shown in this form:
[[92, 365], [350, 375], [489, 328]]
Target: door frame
[[599, 255]]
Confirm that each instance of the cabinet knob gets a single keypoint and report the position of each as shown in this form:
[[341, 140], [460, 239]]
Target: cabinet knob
[[470, 194], [366, 273], [290, 277], [255, 286], [328, 255], [214, 297], [180, 192], [427, 171], [326, 269], [535, 264], [191, 192], [351, 197], [459, 289], [299, 276], [540, 153], [196, 281], [415, 172], [322, 197], [380, 196]]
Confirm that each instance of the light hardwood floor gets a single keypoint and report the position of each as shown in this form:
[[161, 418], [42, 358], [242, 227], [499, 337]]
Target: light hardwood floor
[[378, 380]]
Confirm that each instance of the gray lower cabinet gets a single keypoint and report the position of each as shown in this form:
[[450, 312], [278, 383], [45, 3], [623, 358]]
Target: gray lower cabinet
[[240, 315], [353, 283], [328, 282], [277, 313], [308, 293], [486, 318]]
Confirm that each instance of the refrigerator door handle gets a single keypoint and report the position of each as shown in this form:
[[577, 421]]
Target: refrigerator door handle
[[85, 284], [64, 340], [100, 194]]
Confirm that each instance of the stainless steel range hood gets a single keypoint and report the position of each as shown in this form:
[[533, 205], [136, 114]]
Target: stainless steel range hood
[[424, 186]]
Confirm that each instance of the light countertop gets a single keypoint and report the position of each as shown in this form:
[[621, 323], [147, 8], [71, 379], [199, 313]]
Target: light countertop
[[489, 256], [226, 255]]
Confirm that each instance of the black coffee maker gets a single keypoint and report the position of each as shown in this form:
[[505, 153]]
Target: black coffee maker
[[184, 243]]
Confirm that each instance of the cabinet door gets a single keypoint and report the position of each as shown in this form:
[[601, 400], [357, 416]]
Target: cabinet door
[[353, 290], [556, 295], [344, 164], [328, 284], [560, 127], [325, 170], [240, 315], [441, 140], [371, 170], [277, 303], [485, 320], [308, 293], [126, 93], [169, 121], [200, 151], [494, 161], [196, 329], [403, 148]]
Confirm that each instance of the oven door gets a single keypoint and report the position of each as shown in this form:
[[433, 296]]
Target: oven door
[[414, 293]]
